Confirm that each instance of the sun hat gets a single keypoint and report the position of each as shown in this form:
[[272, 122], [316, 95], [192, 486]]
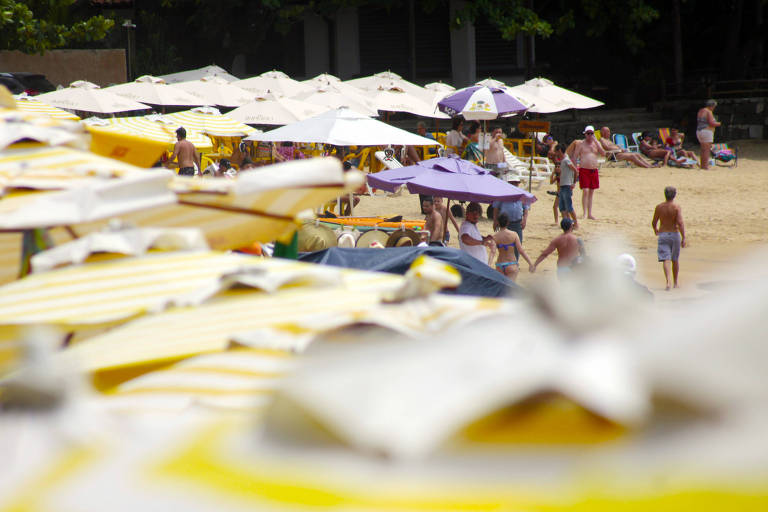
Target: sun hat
[[313, 237], [403, 237], [372, 236], [589, 128]]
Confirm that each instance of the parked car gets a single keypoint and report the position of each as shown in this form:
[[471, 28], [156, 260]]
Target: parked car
[[31, 83]]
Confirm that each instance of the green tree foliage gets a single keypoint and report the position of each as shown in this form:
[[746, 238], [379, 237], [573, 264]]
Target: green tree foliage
[[34, 26]]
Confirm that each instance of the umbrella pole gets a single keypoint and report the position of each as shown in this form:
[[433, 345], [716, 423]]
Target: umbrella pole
[[530, 170], [482, 144], [445, 218]]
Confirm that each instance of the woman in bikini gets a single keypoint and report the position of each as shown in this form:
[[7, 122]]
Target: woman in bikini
[[506, 241]]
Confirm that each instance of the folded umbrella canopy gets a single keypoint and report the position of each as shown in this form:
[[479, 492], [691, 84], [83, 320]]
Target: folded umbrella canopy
[[452, 178], [343, 127]]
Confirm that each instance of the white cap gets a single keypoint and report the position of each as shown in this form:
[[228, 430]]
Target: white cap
[[627, 264], [589, 128]]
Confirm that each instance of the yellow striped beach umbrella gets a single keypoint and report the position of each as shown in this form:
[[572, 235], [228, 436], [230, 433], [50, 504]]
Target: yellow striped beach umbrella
[[121, 143], [210, 121], [30, 104], [162, 128]]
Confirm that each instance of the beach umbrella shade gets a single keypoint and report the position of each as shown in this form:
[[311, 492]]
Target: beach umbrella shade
[[481, 103], [162, 128], [274, 82], [548, 97], [18, 125], [88, 97], [322, 79], [386, 79], [492, 82], [439, 87], [451, 178], [272, 110], [333, 96], [344, 127], [210, 121], [32, 104], [122, 143], [394, 99], [154, 91], [213, 90], [197, 74]]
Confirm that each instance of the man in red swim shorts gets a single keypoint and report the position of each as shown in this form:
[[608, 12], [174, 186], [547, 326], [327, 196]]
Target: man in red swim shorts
[[585, 155]]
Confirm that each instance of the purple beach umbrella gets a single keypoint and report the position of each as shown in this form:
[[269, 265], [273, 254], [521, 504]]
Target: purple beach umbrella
[[451, 178], [482, 103]]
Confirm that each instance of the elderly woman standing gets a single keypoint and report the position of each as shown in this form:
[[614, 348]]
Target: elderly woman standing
[[705, 131]]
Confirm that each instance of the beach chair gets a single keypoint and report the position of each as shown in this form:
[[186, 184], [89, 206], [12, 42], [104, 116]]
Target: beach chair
[[724, 155], [636, 139], [664, 134]]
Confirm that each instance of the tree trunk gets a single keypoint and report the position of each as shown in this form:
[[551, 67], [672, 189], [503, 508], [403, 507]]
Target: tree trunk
[[677, 43]]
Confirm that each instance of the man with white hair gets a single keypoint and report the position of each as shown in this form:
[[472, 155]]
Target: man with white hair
[[585, 155]]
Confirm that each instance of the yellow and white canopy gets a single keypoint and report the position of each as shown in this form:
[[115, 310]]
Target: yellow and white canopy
[[210, 121], [31, 104]]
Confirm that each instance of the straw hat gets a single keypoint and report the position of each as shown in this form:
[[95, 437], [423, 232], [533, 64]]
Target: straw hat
[[403, 238], [346, 240], [314, 237], [366, 239]]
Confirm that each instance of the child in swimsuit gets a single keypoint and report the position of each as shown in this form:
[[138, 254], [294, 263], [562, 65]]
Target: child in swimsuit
[[506, 241]]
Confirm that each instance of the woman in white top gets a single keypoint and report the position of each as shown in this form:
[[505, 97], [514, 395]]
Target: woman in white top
[[455, 139], [705, 131]]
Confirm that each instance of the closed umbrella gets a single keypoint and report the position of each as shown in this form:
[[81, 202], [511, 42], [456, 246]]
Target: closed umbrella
[[548, 97], [88, 97], [213, 90], [273, 110], [154, 91], [344, 127]]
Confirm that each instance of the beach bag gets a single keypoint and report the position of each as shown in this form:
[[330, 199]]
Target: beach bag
[[724, 155]]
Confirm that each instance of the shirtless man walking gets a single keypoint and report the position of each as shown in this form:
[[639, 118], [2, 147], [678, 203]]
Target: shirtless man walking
[[186, 154], [671, 233], [585, 154], [568, 250], [434, 222], [621, 154]]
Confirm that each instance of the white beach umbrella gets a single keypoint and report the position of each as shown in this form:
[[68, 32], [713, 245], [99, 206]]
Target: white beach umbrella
[[274, 110], [154, 91], [89, 97], [385, 79], [439, 87], [197, 74], [216, 91], [394, 99], [275, 82], [492, 82], [332, 96], [322, 79], [343, 127], [548, 97]]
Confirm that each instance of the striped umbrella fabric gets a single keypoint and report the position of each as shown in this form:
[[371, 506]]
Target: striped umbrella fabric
[[210, 121], [40, 167], [30, 104], [162, 128], [481, 103]]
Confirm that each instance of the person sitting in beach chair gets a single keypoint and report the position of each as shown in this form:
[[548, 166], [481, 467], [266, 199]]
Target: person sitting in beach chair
[[652, 150], [455, 138], [618, 153], [676, 160]]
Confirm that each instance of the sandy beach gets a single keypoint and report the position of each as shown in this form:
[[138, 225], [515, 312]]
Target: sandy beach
[[725, 212]]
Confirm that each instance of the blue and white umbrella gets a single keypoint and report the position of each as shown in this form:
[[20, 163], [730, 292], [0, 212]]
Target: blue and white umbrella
[[480, 102]]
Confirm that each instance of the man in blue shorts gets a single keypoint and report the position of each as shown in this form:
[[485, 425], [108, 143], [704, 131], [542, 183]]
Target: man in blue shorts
[[671, 233]]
